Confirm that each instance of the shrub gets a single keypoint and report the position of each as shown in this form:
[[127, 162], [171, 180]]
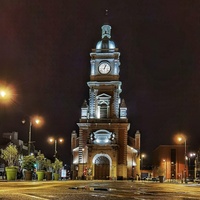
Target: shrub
[[40, 161], [57, 165], [10, 155], [29, 162]]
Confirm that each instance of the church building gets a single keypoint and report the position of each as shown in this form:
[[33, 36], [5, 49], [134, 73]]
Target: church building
[[103, 149]]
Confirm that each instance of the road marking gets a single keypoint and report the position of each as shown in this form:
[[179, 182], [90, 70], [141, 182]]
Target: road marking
[[32, 196]]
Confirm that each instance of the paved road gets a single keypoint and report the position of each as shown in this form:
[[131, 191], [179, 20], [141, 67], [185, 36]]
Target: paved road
[[97, 190]]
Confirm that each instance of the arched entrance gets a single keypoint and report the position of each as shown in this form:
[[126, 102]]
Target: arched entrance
[[102, 168]]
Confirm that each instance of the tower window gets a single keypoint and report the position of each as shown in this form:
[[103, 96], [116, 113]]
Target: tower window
[[103, 109]]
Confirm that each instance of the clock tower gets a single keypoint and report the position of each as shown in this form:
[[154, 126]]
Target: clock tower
[[101, 150], [105, 58]]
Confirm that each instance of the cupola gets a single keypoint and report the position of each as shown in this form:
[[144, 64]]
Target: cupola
[[105, 45]]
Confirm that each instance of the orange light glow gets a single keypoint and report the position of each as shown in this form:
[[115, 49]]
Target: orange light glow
[[180, 138], [37, 120], [7, 94], [51, 140]]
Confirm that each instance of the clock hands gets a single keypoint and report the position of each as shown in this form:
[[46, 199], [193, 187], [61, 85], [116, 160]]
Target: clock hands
[[104, 68]]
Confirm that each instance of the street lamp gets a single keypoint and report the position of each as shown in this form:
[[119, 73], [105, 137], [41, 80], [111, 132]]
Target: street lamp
[[191, 155], [165, 161], [83, 160], [180, 139], [132, 161], [35, 121], [51, 140], [142, 156], [6, 94], [191, 164]]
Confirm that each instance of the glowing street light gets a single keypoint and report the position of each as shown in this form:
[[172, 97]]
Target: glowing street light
[[2, 93], [183, 139], [36, 121], [191, 156], [51, 140], [6, 94]]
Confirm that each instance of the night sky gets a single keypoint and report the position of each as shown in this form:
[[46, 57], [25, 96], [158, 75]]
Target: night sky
[[44, 55]]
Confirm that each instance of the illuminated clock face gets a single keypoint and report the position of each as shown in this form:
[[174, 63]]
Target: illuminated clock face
[[104, 68]]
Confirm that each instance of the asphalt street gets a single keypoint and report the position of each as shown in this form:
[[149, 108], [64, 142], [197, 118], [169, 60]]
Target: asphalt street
[[96, 190]]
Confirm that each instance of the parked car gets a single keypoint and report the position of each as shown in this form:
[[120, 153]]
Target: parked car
[[197, 180], [152, 178], [155, 179], [143, 178], [190, 179], [148, 179]]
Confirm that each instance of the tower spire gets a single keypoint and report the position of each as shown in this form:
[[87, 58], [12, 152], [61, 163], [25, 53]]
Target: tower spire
[[106, 17], [106, 29], [106, 12]]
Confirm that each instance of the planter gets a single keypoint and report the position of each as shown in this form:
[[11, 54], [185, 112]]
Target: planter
[[48, 176], [40, 175], [28, 175], [55, 176], [11, 173]]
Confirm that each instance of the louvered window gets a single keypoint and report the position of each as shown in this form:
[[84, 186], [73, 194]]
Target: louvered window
[[103, 111]]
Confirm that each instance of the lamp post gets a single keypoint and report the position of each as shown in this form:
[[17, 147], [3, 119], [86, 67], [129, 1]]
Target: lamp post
[[132, 162], [142, 156], [180, 139], [29, 137], [83, 160], [60, 140], [191, 155], [191, 164], [165, 161], [36, 121]]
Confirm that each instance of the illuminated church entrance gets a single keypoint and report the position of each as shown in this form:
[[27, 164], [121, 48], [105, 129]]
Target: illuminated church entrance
[[102, 168]]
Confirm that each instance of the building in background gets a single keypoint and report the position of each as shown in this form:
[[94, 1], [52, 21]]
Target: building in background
[[197, 165], [171, 158], [103, 149], [12, 137], [8, 137]]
